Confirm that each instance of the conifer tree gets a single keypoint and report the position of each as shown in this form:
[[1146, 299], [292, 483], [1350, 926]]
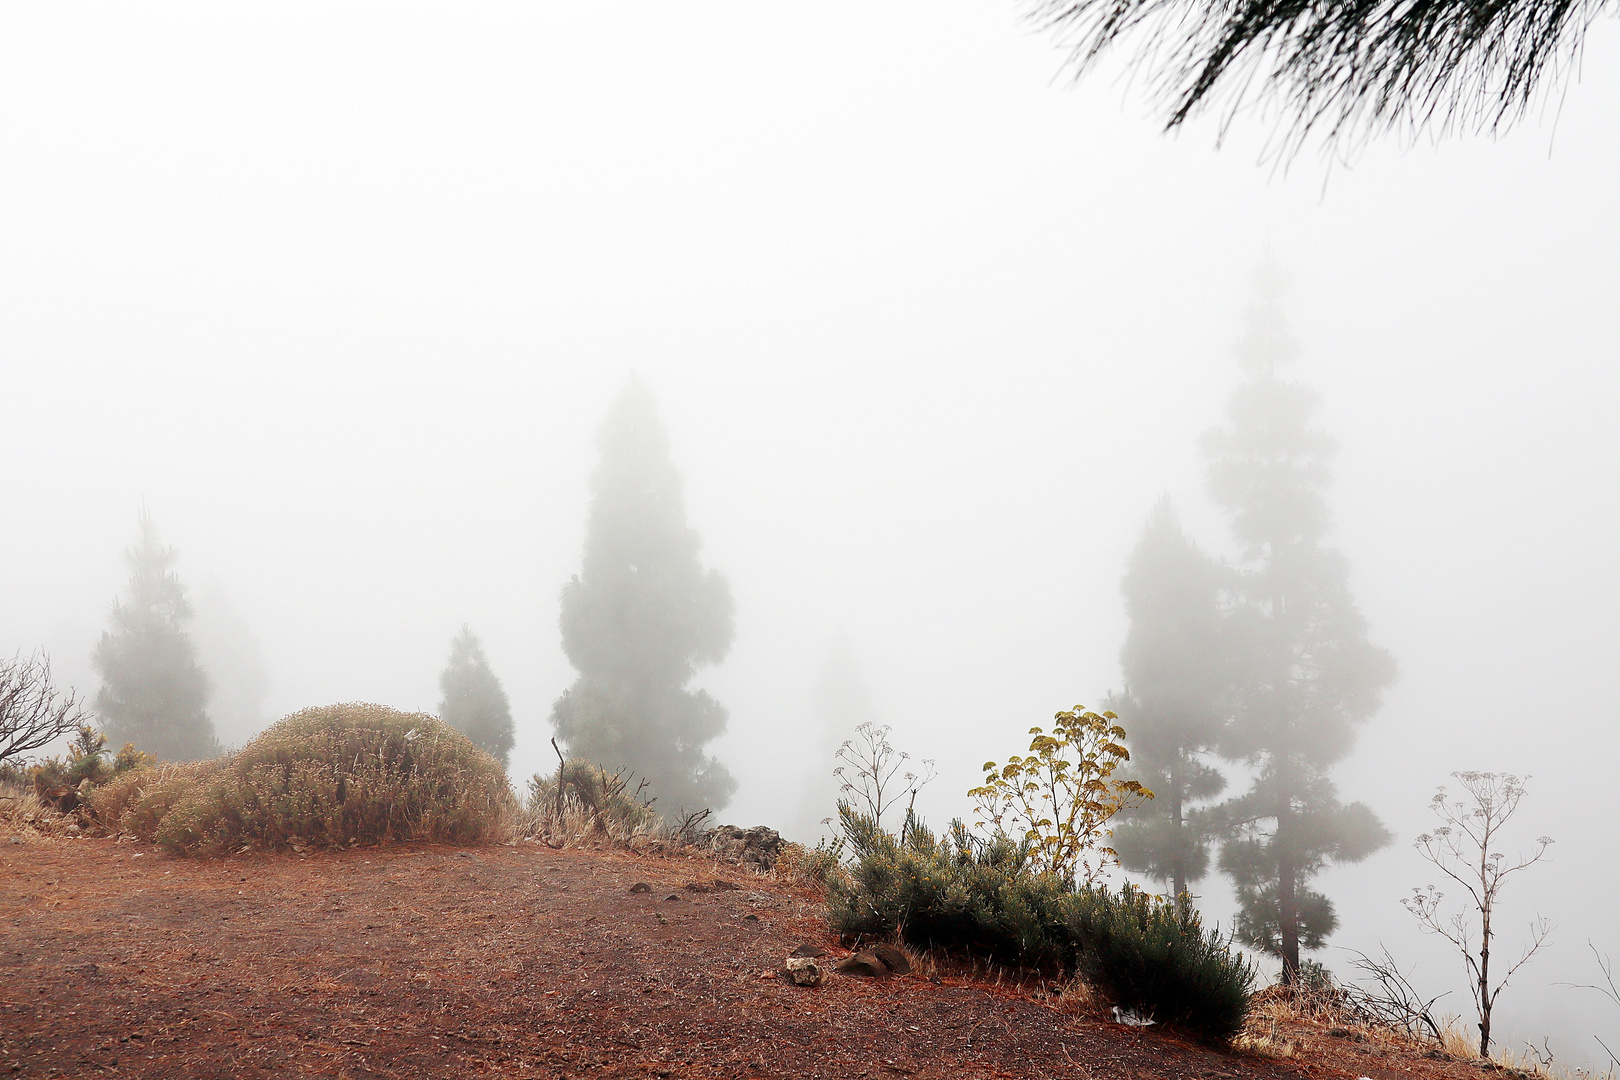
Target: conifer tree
[[1172, 706], [153, 692], [641, 618], [1305, 674], [474, 700]]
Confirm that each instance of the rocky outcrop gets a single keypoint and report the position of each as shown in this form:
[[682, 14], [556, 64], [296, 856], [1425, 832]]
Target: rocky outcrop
[[756, 848]]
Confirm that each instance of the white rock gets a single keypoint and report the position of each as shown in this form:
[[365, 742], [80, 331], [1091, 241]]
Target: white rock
[[1130, 1019]]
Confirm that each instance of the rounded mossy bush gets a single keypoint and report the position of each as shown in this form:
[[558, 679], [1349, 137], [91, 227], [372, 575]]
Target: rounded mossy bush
[[323, 777]]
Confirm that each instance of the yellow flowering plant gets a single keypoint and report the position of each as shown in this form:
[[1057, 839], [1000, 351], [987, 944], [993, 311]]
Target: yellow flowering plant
[[1060, 797]]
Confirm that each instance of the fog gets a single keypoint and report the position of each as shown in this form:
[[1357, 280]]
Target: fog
[[343, 293]]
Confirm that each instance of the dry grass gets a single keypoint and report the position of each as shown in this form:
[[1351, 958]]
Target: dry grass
[[807, 867], [25, 817], [575, 824], [1288, 1022]]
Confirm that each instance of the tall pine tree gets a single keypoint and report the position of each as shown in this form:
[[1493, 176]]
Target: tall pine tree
[[1305, 674], [474, 700], [641, 618], [153, 692], [1173, 703]]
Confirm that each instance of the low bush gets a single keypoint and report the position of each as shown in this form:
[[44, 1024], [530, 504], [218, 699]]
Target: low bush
[[986, 899], [1153, 956], [816, 866], [66, 783], [330, 776], [585, 803], [136, 801], [957, 893]]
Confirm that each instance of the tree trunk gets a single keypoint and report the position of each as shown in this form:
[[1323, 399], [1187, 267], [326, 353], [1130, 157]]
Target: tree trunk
[[1178, 872], [1287, 901]]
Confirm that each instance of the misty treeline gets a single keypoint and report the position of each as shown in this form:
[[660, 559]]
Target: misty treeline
[[640, 618], [1261, 661]]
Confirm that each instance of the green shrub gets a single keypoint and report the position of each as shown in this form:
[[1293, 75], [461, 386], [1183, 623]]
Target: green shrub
[[956, 893], [1153, 956], [330, 776], [984, 898]]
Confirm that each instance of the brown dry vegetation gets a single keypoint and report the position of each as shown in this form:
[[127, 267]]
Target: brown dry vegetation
[[524, 961]]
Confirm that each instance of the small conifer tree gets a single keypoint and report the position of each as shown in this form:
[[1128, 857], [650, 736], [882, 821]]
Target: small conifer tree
[[153, 692], [474, 700], [641, 618]]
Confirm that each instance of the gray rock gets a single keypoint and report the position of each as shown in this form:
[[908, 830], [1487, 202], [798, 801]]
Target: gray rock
[[757, 847], [804, 971]]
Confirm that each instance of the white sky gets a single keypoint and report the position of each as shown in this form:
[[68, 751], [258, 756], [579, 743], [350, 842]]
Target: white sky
[[343, 290]]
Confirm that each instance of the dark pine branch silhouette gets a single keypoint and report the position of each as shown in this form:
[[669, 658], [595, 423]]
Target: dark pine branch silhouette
[[1347, 66]]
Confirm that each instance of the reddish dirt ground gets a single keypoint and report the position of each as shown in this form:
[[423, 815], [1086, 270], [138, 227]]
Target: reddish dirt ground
[[116, 960]]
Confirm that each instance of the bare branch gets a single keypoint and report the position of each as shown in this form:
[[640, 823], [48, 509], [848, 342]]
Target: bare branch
[[876, 765], [1540, 930], [1481, 871], [33, 713], [1396, 1002]]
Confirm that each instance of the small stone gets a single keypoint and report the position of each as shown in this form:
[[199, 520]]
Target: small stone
[[804, 971], [641, 887], [893, 959], [808, 949], [750, 918], [673, 896], [863, 964]]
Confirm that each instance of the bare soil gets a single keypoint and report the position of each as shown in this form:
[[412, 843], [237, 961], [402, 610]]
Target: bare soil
[[117, 960]]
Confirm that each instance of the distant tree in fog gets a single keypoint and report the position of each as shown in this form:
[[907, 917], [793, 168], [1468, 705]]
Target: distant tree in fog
[[641, 618], [840, 702], [474, 701], [1304, 673], [229, 650], [1174, 700], [153, 692]]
